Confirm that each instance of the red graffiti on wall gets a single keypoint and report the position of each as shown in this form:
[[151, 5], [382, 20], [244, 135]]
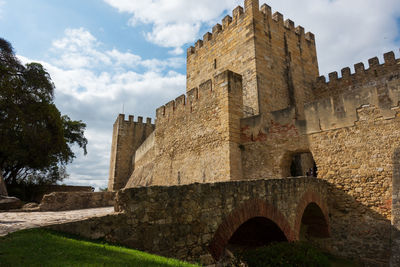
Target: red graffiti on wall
[[276, 130], [288, 129]]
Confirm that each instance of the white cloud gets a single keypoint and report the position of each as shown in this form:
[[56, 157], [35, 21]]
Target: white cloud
[[80, 49], [124, 58], [346, 31], [175, 22], [92, 85]]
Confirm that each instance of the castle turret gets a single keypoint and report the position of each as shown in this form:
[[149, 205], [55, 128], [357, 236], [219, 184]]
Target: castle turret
[[277, 60], [127, 137]]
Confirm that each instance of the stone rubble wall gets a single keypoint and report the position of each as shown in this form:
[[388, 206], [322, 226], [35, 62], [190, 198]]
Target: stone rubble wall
[[353, 132], [196, 138], [194, 222], [349, 124], [395, 260], [361, 77], [35, 193], [378, 86], [358, 163], [61, 201], [353, 136]]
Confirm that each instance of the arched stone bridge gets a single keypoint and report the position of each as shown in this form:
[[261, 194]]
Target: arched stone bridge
[[197, 222]]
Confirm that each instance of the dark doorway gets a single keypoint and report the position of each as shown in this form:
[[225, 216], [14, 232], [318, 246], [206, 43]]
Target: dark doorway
[[257, 232], [313, 223], [303, 164]]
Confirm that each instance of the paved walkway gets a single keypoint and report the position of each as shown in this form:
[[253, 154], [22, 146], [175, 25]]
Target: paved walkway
[[14, 221]]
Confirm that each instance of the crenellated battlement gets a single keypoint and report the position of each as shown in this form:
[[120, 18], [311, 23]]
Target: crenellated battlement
[[203, 124], [336, 84], [203, 96], [288, 24], [232, 23], [130, 120], [241, 43], [227, 23]]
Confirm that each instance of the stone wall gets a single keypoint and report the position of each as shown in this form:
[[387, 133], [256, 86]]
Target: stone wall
[[278, 62], [268, 148], [286, 62], [378, 86], [396, 209], [35, 193], [144, 163], [229, 46], [196, 137], [352, 133], [349, 124], [362, 77], [59, 201], [278, 66], [195, 222], [358, 162], [127, 137]]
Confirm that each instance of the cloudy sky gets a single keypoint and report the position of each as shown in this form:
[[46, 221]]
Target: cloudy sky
[[109, 56]]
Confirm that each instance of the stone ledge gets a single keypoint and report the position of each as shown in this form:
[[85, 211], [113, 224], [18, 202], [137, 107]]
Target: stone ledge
[[60, 201]]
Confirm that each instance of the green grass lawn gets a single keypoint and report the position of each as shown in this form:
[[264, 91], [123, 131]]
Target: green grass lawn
[[39, 247]]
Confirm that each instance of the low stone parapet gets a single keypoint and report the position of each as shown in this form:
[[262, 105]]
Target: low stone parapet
[[10, 203], [59, 201]]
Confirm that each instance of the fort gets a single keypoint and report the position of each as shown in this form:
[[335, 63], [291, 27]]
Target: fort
[[215, 163]]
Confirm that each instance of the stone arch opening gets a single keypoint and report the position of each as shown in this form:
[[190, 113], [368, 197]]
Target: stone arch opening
[[256, 232], [244, 216], [313, 223], [312, 209], [295, 164]]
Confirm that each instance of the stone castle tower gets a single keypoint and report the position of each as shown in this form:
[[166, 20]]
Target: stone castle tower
[[255, 108], [277, 64]]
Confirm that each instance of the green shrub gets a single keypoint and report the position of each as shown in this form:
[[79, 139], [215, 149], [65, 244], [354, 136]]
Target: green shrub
[[285, 254]]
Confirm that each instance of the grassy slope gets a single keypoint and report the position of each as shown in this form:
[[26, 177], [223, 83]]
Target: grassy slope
[[40, 247]]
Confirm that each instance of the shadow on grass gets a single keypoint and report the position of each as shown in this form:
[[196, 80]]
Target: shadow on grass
[[40, 247], [291, 254]]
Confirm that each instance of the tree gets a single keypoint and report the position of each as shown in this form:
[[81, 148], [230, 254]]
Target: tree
[[35, 138]]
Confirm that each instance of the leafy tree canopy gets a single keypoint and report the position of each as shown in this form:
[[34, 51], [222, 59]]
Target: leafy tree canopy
[[35, 139]]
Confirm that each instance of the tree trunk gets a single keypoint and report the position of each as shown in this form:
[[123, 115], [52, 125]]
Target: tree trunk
[[3, 189]]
